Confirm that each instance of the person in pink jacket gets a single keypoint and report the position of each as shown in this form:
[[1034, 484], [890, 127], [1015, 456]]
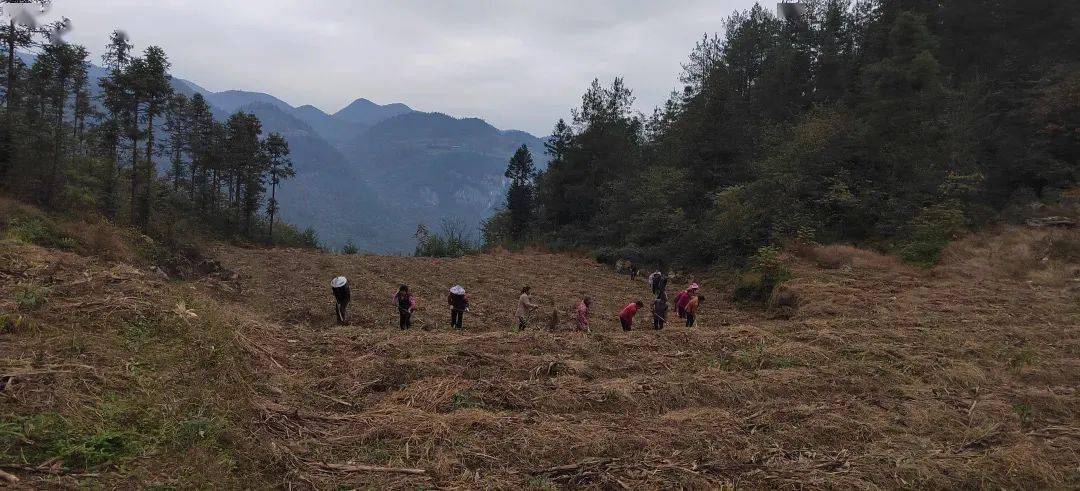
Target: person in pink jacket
[[684, 297], [583, 314]]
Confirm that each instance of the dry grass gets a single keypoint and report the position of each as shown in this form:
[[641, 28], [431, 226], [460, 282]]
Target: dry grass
[[885, 376], [1047, 256], [836, 256]]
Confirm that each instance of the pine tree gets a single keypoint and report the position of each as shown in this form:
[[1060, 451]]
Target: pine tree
[[519, 197], [280, 167], [153, 81]]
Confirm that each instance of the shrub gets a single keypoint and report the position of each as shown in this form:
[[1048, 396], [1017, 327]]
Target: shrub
[[763, 274], [349, 248], [930, 232], [31, 297], [38, 231], [452, 242]]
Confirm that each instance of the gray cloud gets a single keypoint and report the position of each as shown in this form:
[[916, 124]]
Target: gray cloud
[[518, 64]]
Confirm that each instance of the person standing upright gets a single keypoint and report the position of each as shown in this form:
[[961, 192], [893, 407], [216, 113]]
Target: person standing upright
[[406, 304], [525, 307]]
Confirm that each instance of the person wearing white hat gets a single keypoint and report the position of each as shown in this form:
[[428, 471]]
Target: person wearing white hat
[[340, 288], [459, 304]]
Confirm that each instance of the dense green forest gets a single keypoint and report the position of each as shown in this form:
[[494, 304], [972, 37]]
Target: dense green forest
[[889, 123], [67, 147]]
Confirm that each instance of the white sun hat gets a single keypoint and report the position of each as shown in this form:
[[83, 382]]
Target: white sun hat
[[457, 290], [338, 282]]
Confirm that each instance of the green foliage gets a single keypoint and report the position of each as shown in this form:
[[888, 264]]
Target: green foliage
[[495, 231], [451, 242], [846, 123], [764, 272], [31, 296], [39, 231], [286, 235], [349, 248], [49, 436], [931, 230], [60, 153]]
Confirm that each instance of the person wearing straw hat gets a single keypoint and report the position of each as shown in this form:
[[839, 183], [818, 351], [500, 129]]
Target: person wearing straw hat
[[459, 304], [340, 288]]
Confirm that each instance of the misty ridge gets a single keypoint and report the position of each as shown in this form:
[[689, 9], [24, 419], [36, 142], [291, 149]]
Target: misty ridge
[[367, 177]]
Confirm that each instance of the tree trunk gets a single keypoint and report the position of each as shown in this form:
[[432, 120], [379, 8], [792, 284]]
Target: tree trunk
[[273, 206], [148, 177], [135, 177], [10, 94], [58, 146]]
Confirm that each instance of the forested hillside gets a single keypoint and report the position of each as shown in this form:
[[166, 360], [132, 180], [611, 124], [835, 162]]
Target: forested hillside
[[891, 123], [124, 143]]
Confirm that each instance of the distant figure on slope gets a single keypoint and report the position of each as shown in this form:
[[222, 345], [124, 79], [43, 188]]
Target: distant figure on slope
[[659, 311], [654, 282], [626, 317], [459, 304], [692, 309], [525, 306], [633, 271], [683, 298], [340, 288], [406, 304], [582, 315]]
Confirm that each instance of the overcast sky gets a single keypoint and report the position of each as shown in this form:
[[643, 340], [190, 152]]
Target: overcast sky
[[517, 64]]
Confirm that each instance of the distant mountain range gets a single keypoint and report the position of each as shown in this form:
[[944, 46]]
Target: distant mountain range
[[371, 173]]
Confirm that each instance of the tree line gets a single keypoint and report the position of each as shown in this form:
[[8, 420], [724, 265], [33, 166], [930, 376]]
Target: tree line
[[889, 123], [65, 146]]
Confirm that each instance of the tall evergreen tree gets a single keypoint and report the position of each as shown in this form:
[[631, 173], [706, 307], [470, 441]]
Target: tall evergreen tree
[[279, 168], [152, 78], [519, 197]]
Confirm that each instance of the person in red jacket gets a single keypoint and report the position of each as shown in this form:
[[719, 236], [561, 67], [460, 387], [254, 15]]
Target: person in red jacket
[[684, 297], [626, 317]]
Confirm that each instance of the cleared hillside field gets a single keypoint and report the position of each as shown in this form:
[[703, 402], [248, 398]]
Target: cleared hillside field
[[886, 376]]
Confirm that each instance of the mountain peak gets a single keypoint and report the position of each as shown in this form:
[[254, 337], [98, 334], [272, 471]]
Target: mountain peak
[[366, 112]]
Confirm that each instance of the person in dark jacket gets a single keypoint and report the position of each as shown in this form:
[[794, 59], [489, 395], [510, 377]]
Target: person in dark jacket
[[661, 284], [654, 283], [659, 311], [406, 304], [340, 288], [459, 304]]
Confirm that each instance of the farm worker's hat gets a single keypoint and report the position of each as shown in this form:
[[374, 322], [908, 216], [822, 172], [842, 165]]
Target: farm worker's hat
[[457, 290], [338, 282]]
